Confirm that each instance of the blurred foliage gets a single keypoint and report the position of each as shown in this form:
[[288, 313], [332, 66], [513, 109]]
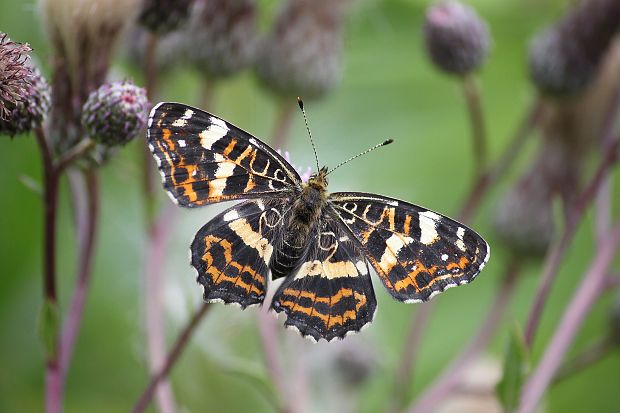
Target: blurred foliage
[[389, 90]]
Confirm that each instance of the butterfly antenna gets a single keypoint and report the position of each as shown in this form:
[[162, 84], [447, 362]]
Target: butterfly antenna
[[385, 142], [303, 111]]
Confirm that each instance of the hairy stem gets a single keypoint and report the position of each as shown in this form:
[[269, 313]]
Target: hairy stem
[[171, 358], [450, 377], [585, 295]]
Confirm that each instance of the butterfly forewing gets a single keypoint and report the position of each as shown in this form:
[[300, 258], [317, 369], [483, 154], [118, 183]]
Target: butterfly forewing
[[417, 253], [231, 252], [330, 294], [204, 159]]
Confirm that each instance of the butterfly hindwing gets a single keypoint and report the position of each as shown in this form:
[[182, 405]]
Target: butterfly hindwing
[[231, 252], [330, 294], [204, 159], [417, 253]]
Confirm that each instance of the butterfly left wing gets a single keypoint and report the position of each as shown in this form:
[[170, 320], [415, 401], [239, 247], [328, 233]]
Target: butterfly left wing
[[204, 159], [417, 253], [231, 252], [331, 293]]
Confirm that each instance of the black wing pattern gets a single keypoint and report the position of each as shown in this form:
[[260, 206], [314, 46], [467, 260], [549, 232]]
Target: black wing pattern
[[417, 253], [331, 293], [204, 159], [231, 252]]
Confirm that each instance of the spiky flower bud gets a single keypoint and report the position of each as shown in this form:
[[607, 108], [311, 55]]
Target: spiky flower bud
[[14, 74], [222, 35], [164, 16], [566, 56], [456, 38], [524, 219], [29, 111], [302, 56], [115, 113]]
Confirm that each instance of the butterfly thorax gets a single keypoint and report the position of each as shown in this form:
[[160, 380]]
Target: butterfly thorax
[[305, 214]]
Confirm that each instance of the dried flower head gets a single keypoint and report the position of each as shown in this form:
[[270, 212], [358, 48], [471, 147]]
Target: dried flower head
[[14, 74], [302, 56], [83, 36], [456, 38], [115, 113], [29, 111], [566, 56], [221, 37], [164, 16]]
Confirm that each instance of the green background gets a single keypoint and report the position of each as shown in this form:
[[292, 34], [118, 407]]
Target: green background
[[389, 89]]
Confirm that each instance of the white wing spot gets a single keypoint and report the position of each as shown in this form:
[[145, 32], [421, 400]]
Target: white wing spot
[[182, 143], [231, 215], [212, 134], [428, 227], [460, 233], [444, 257], [361, 267]]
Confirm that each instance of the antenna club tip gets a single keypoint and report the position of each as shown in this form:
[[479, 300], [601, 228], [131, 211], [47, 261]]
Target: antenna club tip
[[300, 103], [387, 142]]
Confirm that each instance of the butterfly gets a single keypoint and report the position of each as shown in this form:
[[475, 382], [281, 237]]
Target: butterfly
[[321, 243]]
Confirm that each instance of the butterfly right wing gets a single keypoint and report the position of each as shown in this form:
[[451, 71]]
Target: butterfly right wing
[[231, 252], [204, 159]]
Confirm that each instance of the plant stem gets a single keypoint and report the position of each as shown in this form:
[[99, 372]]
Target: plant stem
[[585, 295], [207, 94], [171, 358], [53, 381], [86, 238], [476, 117], [502, 165], [268, 336], [153, 295], [404, 381], [450, 377], [74, 153], [283, 123], [556, 253], [591, 355]]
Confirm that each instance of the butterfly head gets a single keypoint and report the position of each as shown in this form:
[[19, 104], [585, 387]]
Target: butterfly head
[[318, 180]]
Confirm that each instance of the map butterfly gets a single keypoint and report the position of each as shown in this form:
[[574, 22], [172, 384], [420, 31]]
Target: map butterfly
[[319, 242]]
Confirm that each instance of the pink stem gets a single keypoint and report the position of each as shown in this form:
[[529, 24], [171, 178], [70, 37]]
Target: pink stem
[[451, 376], [86, 238], [585, 295], [156, 337]]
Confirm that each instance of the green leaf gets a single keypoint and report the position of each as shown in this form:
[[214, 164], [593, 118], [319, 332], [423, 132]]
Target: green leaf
[[516, 366], [49, 325]]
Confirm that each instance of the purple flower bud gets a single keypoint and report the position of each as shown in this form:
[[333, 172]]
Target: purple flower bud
[[221, 37], [115, 113], [164, 16], [565, 57], [457, 39], [14, 76], [302, 56], [30, 110]]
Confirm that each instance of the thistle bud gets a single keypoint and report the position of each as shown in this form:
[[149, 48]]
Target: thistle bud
[[457, 39], [164, 16], [115, 113], [302, 56], [524, 219], [222, 36], [14, 74], [32, 107], [565, 57]]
